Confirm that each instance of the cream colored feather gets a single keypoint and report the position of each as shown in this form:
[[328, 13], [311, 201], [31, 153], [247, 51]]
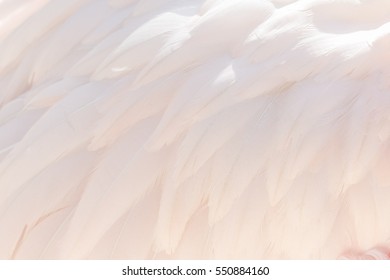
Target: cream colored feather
[[134, 129]]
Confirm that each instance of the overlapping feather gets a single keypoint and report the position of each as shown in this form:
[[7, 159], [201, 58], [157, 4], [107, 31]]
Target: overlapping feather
[[193, 129]]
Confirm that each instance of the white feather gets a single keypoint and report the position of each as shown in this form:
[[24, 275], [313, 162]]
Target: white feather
[[191, 129]]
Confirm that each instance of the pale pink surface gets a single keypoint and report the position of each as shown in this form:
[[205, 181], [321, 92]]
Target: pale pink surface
[[194, 129]]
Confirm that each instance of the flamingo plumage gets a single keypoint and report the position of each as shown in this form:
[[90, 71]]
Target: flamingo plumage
[[194, 129]]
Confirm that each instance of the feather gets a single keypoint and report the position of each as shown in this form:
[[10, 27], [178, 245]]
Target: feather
[[191, 129]]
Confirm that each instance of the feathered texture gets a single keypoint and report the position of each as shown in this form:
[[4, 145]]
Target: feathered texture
[[194, 129]]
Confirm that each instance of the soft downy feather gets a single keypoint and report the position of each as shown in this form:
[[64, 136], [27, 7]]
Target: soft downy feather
[[190, 129]]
